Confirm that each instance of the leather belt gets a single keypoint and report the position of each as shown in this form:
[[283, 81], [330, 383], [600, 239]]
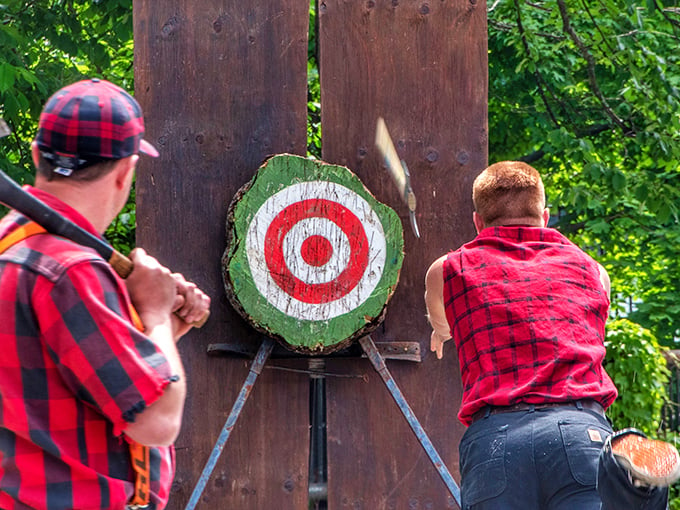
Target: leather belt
[[589, 404]]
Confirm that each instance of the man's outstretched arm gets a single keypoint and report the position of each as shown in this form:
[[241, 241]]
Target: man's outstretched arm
[[434, 302]]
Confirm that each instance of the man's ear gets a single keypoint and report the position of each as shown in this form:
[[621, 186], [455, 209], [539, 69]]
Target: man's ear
[[546, 216], [35, 153], [125, 169], [478, 221]]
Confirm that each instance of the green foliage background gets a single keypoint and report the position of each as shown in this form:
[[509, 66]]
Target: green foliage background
[[587, 91], [638, 368], [46, 45]]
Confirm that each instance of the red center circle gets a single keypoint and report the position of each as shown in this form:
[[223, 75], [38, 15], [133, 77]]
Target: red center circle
[[316, 293], [316, 250]]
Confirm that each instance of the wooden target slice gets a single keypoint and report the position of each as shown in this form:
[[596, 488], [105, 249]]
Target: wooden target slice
[[312, 257]]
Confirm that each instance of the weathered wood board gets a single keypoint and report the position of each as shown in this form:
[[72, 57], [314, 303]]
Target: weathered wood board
[[223, 86], [423, 67], [312, 258]]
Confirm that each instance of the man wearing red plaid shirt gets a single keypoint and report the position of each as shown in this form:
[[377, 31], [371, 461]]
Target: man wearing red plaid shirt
[[89, 372], [527, 311]]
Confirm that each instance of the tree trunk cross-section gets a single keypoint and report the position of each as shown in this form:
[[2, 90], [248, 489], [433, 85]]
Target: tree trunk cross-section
[[312, 258]]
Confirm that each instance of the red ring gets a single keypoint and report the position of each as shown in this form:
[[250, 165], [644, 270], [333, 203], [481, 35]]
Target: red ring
[[316, 293]]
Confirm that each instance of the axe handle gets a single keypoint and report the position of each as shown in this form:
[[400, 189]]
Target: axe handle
[[120, 263], [384, 143], [13, 196]]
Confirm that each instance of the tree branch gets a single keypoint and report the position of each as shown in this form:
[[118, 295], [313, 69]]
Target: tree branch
[[537, 74], [588, 132], [604, 38], [627, 129], [507, 27]]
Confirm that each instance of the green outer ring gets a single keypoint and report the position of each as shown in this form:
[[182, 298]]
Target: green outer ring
[[304, 335]]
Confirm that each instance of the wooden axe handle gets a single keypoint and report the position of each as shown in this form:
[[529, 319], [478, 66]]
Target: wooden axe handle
[[15, 197], [383, 141]]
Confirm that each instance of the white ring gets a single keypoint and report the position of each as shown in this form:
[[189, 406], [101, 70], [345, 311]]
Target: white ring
[[292, 250]]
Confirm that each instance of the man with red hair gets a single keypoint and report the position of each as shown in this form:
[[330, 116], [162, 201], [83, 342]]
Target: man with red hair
[[527, 310]]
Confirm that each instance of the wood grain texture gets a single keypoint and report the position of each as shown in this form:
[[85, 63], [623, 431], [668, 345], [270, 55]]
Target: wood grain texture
[[312, 258], [422, 66], [223, 86]]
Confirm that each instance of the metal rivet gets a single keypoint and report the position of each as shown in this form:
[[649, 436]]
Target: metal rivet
[[431, 154], [169, 26]]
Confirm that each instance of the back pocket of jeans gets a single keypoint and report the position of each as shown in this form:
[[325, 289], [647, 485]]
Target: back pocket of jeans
[[581, 450], [483, 466]]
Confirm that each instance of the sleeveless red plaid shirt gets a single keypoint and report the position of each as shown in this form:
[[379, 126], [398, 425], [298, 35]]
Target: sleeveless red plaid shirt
[[74, 371], [527, 312]]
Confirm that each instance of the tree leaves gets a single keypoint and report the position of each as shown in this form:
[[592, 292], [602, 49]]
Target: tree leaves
[[47, 44], [587, 92], [636, 364]]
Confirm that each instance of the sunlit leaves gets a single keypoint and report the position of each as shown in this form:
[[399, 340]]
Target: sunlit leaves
[[638, 369]]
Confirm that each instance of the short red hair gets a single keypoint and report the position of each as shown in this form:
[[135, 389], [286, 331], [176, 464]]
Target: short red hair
[[508, 190]]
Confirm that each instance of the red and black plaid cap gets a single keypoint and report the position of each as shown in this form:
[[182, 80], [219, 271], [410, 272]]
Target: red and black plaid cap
[[88, 122]]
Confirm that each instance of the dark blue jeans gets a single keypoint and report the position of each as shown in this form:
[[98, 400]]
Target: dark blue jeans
[[546, 459]]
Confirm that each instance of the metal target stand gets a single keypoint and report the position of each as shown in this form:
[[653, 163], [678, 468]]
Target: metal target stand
[[362, 345], [374, 355]]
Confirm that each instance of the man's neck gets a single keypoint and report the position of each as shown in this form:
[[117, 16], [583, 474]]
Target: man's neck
[[517, 222], [85, 197]]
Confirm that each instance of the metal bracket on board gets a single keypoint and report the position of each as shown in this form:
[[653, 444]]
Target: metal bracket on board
[[404, 351]]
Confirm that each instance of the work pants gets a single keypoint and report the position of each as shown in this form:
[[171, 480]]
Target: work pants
[[546, 459]]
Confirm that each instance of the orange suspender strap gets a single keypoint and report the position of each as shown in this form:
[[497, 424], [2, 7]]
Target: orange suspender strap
[[138, 453], [140, 463], [21, 233]]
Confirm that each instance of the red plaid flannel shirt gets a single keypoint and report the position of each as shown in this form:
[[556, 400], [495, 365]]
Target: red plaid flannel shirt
[[527, 312], [74, 371]]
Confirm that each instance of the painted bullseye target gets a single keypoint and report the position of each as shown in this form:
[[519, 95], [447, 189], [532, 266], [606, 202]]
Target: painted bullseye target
[[307, 287], [325, 291], [312, 256]]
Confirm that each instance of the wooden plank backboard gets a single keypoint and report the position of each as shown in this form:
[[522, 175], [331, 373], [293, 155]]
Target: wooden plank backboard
[[423, 67], [223, 86]]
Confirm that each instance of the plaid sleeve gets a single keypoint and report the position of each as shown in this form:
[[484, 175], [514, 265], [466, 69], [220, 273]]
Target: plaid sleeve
[[102, 357]]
